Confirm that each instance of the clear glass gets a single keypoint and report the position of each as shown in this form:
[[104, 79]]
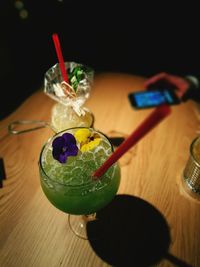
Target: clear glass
[[68, 110], [70, 186], [191, 173]]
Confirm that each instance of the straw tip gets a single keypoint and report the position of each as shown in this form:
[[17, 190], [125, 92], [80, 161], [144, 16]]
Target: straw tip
[[95, 176]]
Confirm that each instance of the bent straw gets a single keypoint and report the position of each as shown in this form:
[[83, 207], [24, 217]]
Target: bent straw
[[151, 121], [60, 57]]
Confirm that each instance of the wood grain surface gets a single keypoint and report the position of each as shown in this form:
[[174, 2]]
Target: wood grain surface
[[34, 233]]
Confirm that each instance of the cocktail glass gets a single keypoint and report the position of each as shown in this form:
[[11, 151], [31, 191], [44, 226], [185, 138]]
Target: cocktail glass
[[68, 110], [69, 185]]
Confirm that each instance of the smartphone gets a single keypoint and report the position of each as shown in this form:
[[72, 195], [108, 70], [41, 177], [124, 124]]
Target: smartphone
[[116, 141], [153, 98]]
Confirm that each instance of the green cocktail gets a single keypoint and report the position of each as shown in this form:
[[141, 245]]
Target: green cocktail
[[67, 162]]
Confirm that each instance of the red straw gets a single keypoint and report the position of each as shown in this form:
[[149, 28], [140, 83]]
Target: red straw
[[60, 57], [149, 123]]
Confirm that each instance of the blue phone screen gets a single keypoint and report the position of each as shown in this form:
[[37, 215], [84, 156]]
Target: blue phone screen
[[152, 98]]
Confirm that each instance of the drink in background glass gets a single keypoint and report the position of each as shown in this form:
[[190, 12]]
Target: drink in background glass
[[191, 173], [67, 162], [69, 111]]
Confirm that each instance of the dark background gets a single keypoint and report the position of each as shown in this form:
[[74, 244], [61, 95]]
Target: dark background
[[141, 38]]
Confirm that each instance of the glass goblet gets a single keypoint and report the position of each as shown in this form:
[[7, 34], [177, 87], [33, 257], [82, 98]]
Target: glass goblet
[[67, 162]]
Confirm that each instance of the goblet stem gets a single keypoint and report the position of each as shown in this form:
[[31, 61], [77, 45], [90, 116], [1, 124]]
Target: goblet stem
[[78, 224]]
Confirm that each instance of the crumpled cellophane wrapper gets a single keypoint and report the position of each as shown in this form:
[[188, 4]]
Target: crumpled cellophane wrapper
[[74, 93]]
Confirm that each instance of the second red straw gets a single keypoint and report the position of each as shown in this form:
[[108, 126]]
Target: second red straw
[[60, 57]]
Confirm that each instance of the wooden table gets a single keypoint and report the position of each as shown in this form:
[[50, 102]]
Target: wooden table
[[34, 233]]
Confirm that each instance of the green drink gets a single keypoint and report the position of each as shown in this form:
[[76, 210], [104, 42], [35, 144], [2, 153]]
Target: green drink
[[67, 162]]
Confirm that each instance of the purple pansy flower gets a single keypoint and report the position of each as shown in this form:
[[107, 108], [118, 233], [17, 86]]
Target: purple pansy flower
[[64, 146]]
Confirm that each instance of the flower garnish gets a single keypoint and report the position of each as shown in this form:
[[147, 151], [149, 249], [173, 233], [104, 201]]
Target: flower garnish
[[87, 139], [63, 147]]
